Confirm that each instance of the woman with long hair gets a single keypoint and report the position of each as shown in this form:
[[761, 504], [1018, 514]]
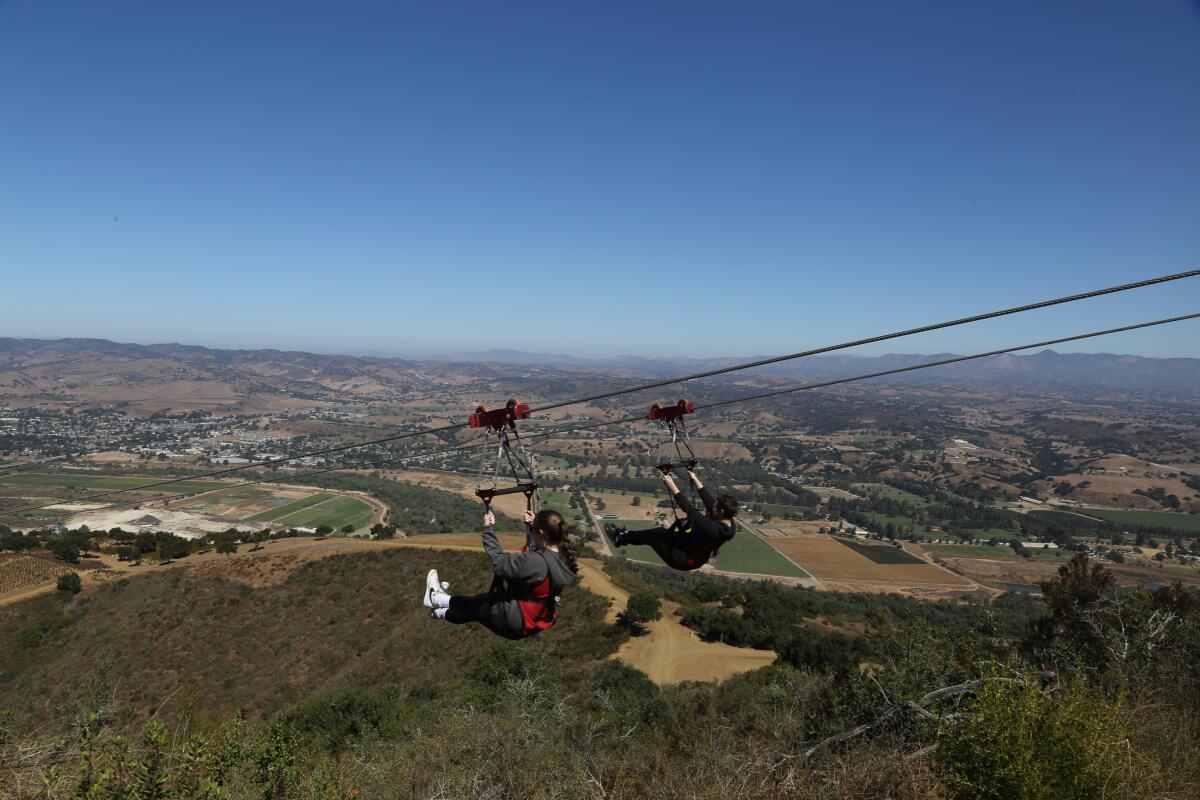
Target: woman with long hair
[[524, 593]]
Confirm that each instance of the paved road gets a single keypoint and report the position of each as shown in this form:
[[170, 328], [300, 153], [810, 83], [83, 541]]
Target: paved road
[[596, 526]]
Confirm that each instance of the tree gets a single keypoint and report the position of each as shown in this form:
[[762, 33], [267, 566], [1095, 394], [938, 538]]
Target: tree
[[65, 550], [226, 545], [146, 542], [347, 529], [172, 546], [636, 501], [324, 530], [641, 608], [1073, 600], [126, 554], [70, 582]]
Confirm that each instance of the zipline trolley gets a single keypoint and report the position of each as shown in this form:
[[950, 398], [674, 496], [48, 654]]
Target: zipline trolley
[[509, 449], [672, 419]]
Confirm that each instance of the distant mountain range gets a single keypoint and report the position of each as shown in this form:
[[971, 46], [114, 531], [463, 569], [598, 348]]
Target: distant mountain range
[[71, 362], [1045, 369]]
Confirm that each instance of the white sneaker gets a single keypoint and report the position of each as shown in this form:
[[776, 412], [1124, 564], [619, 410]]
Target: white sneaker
[[446, 587], [432, 585]]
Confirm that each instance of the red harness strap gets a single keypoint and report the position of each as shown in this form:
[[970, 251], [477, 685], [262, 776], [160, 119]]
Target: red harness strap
[[538, 610], [538, 607]]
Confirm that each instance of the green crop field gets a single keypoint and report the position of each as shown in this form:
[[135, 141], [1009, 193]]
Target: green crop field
[[1188, 523], [745, 553], [999, 552], [336, 512], [970, 551], [271, 515], [1003, 534], [890, 492], [559, 501], [104, 482], [881, 554]]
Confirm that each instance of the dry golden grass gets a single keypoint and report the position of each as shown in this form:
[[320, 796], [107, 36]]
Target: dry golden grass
[[830, 560]]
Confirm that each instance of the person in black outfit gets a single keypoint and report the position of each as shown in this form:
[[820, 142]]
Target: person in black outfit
[[690, 542]]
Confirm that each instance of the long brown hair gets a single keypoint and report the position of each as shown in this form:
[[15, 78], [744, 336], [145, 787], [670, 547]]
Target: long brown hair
[[558, 533]]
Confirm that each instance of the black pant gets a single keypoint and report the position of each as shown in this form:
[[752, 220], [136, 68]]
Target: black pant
[[668, 543], [501, 616]]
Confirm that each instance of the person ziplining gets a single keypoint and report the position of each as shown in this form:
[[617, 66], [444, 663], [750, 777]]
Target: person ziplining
[[697, 536], [690, 542], [523, 598]]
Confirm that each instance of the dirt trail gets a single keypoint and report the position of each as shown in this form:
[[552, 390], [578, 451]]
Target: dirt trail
[[671, 653]]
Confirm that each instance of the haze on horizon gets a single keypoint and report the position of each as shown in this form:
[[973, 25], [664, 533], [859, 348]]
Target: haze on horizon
[[658, 180]]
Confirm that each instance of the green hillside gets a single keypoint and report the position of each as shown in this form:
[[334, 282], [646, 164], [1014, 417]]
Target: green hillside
[[216, 646]]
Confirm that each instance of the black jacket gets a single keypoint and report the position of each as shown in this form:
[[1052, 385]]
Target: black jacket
[[705, 530]]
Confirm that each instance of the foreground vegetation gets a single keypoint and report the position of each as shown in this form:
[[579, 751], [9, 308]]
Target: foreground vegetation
[[329, 684]]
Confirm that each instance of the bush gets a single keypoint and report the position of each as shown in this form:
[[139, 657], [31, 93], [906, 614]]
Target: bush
[[508, 660], [66, 551], [69, 582], [641, 608], [1017, 743]]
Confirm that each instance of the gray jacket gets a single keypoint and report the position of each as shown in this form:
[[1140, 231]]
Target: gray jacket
[[528, 568]]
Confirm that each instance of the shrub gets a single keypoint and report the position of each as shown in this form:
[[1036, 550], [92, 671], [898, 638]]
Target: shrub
[[641, 608], [1017, 743], [69, 582]]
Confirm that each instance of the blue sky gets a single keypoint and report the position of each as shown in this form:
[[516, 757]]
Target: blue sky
[[688, 178]]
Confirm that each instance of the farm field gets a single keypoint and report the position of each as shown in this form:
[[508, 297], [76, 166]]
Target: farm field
[[746, 552], [890, 492], [244, 504], [1189, 523], [290, 508], [102, 482], [622, 505], [1003, 534], [1002, 552], [20, 572], [336, 511], [826, 492], [881, 553], [775, 509], [561, 502], [828, 559]]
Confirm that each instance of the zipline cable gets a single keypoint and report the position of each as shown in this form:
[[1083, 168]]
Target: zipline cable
[[657, 384], [875, 339], [718, 404]]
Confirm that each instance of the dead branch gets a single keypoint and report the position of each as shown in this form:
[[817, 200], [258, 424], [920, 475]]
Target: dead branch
[[920, 709]]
